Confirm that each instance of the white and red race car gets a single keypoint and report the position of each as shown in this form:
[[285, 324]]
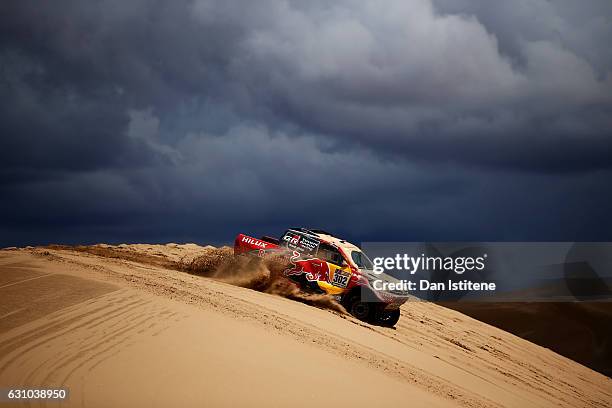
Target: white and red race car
[[320, 262]]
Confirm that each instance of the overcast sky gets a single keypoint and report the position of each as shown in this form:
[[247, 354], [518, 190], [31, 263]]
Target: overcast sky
[[420, 120]]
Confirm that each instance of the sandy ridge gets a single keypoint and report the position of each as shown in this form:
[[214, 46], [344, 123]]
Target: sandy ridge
[[441, 352]]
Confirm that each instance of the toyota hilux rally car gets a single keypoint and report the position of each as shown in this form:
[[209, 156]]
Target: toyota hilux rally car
[[319, 262]]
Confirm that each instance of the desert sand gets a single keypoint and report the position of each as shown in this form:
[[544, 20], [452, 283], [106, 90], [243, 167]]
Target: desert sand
[[123, 333]]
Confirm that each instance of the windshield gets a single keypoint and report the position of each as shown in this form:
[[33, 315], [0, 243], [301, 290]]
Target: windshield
[[361, 260]]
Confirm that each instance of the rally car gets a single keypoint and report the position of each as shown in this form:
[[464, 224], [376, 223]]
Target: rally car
[[319, 262]]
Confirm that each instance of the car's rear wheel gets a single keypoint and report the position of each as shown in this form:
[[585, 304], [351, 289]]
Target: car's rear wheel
[[361, 310], [387, 318]]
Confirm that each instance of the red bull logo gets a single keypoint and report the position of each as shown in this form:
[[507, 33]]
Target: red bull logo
[[313, 269]]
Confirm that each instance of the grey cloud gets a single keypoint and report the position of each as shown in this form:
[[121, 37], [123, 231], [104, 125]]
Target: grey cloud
[[379, 119], [397, 74], [256, 179], [390, 73], [579, 27]]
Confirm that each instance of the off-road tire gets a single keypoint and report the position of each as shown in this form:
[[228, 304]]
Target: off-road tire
[[364, 311], [387, 318]]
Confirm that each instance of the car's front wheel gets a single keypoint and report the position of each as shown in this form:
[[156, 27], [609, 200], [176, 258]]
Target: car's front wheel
[[361, 310], [387, 318]]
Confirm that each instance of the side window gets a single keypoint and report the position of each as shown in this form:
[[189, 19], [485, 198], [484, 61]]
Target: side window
[[330, 254]]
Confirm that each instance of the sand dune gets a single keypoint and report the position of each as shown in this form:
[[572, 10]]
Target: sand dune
[[118, 332], [581, 331]]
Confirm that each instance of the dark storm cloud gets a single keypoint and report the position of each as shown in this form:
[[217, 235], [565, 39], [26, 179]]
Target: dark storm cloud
[[152, 120], [398, 76], [576, 26]]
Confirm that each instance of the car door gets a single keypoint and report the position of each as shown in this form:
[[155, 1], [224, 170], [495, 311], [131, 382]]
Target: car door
[[333, 266]]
